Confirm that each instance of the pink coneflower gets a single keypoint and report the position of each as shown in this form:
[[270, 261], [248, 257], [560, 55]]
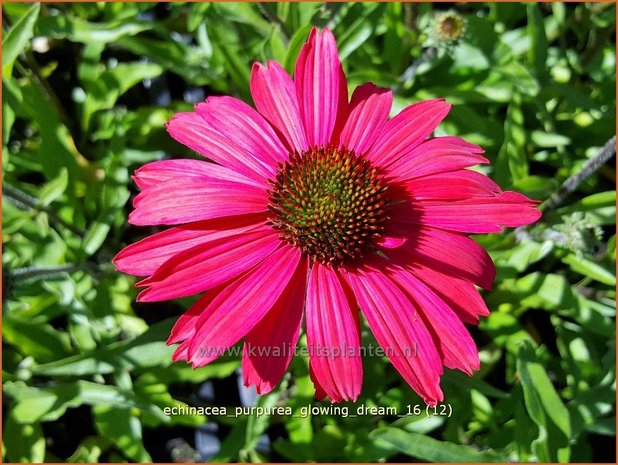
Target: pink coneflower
[[319, 205]]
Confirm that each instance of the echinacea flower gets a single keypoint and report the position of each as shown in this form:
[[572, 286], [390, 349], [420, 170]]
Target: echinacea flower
[[312, 204]]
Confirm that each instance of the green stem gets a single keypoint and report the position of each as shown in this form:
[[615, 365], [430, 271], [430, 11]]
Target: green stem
[[43, 272], [26, 202], [572, 183], [274, 19]]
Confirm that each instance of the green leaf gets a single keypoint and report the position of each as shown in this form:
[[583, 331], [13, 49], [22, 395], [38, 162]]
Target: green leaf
[[147, 350], [123, 428], [526, 430], [513, 74], [537, 53], [591, 269], [89, 450], [190, 62], [34, 405], [358, 32], [549, 291], [543, 139], [95, 236], [57, 145], [54, 188], [38, 340], [544, 407], [466, 382], [512, 162], [522, 255], [79, 30], [296, 43], [428, 449], [111, 84], [24, 443], [11, 103], [600, 208], [17, 39], [244, 13], [196, 16], [256, 425], [234, 63]]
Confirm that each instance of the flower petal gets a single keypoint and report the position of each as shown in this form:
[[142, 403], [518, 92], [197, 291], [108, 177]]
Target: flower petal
[[275, 98], [245, 127], [437, 155], [269, 346], [404, 338], [481, 214], [320, 86], [451, 253], [320, 393], [241, 305], [369, 110], [191, 130], [184, 328], [143, 257], [181, 352], [390, 242], [406, 130], [454, 342], [166, 170], [459, 294], [190, 199], [333, 338], [207, 265], [453, 185]]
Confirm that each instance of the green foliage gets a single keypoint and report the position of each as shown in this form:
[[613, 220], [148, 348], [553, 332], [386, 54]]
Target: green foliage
[[87, 89], [17, 39]]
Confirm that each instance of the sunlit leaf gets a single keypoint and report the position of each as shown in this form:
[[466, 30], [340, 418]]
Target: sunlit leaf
[[17, 39]]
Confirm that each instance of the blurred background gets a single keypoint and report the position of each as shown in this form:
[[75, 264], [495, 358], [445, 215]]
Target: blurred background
[[87, 89]]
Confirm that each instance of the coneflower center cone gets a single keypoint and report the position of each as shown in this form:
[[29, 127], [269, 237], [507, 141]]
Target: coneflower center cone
[[330, 203]]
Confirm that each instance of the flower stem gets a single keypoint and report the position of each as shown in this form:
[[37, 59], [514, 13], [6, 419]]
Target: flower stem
[[43, 272], [26, 202], [572, 183]]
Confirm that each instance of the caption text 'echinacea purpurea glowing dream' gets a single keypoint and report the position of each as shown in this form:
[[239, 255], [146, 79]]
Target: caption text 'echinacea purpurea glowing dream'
[[321, 205]]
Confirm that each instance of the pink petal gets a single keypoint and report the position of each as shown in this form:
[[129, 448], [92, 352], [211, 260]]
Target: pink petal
[[448, 252], [191, 199], [453, 340], [454, 185], [184, 328], [143, 257], [459, 294], [207, 265], [236, 311], [320, 393], [320, 87], [245, 127], [333, 338], [437, 155], [191, 130], [404, 337], [390, 242], [275, 98], [369, 110], [165, 170], [269, 346], [480, 215], [406, 130], [181, 352]]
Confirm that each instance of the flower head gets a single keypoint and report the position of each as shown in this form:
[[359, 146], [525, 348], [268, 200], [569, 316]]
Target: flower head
[[321, 206], [449, 26]]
